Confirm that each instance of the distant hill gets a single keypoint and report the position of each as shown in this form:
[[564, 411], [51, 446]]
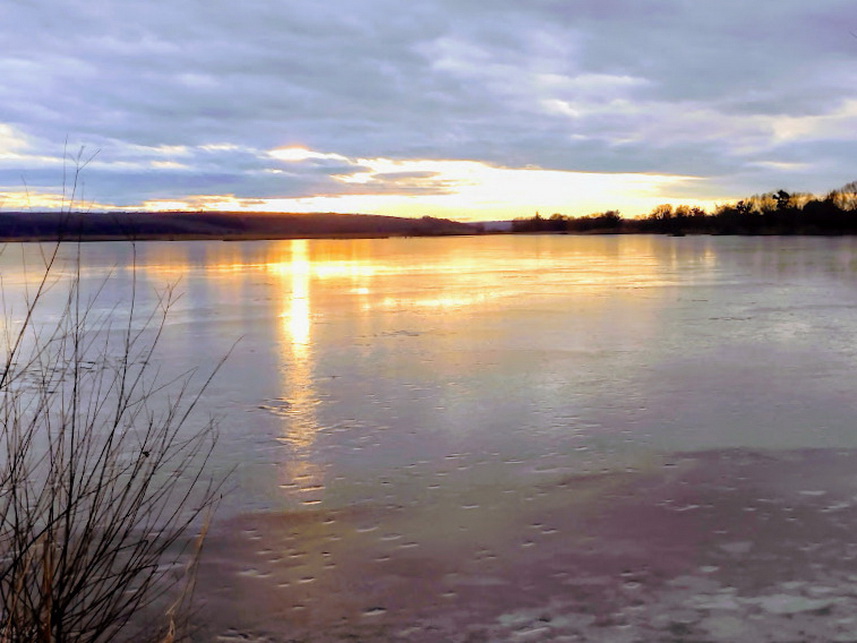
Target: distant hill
[[496, 226], [102, 226]]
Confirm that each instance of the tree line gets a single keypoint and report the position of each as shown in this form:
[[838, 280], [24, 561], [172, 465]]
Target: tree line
[[778, 212]]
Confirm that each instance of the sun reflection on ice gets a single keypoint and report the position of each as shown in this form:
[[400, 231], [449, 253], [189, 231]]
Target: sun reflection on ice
[[301, 425]]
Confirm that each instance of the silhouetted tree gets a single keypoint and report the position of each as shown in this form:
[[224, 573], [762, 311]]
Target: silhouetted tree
[[778, 212]]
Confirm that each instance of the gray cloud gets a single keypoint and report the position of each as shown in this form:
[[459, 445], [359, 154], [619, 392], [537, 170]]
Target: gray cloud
[[666, 86]]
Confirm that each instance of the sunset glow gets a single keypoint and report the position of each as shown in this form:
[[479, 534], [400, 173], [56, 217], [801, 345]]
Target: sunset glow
[[458, 189], [469, 115]]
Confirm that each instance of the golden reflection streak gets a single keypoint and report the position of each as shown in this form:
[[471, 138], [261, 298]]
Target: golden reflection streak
[[298, 315], [291, 264], [295, 339], [301, 427]]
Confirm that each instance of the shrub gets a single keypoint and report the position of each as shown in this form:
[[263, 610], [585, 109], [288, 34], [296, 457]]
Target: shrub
[[104, 499]]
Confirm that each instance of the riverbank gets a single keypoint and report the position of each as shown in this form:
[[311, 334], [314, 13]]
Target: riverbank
[[227, 226]]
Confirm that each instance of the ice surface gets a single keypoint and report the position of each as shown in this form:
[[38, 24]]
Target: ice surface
[[607, 438]]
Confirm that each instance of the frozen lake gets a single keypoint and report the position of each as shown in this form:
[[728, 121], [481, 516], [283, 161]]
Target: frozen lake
[[529, 436]]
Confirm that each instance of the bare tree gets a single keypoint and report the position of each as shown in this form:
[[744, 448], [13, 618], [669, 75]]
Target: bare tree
[[104, 497]]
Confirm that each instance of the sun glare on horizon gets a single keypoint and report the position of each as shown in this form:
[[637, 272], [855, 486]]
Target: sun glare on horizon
[[459, 189]]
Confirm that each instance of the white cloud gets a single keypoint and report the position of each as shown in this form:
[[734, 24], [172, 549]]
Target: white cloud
[[839, 124], [170, 165], [157, 150], [12, 142], [782, 166], [298, 154]]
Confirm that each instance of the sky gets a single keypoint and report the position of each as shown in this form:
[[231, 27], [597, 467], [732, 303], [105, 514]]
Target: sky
[[467, 109]]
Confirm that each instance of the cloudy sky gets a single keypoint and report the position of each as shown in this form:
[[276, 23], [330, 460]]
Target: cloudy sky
[[471, 109]]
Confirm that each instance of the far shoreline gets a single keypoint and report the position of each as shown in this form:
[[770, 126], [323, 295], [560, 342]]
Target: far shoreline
[[178, 238]]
